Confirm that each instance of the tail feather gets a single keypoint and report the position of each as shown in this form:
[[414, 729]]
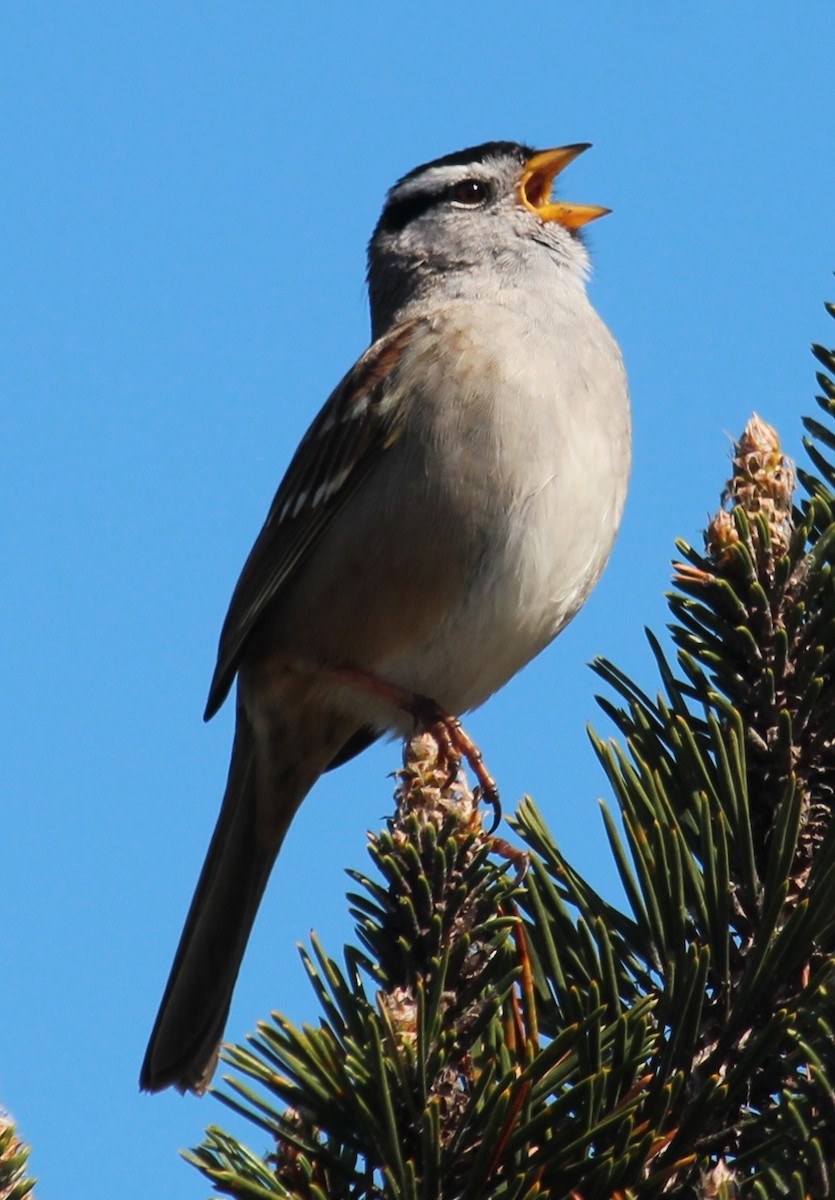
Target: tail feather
[[185, 1040]]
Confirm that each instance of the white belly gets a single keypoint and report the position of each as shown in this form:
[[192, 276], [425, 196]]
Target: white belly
[[551, 471]]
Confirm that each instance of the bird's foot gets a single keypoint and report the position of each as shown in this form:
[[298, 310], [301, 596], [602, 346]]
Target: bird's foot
[[454, 743]]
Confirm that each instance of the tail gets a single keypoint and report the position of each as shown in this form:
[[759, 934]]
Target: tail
[[184, 1044]]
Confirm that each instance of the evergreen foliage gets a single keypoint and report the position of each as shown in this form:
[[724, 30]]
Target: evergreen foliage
[[14, 1181], [501, 1030]]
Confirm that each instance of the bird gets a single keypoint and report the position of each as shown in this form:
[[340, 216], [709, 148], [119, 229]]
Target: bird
[[447, 513]]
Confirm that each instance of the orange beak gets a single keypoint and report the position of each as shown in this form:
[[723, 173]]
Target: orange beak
[[537, 181]]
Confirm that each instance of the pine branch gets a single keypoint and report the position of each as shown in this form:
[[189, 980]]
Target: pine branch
[[14, 1154]]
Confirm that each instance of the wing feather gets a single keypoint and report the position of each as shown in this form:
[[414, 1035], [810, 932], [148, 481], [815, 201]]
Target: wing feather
[[360, 419]]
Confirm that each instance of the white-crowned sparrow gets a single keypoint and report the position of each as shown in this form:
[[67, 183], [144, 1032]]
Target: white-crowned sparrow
[[448, 511]]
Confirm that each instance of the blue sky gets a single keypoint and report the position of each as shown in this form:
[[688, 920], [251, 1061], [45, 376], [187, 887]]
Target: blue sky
[[187, 191]]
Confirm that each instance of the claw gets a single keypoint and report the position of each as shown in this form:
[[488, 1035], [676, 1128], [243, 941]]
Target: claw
[[454, 744], [457, 744]]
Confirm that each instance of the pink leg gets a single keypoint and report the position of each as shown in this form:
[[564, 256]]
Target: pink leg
[[453, 741]]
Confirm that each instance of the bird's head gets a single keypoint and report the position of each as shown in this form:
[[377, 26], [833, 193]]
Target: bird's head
[[482, 213]]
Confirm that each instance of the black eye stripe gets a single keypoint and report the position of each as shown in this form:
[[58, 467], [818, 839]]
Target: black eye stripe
[[398, 213]]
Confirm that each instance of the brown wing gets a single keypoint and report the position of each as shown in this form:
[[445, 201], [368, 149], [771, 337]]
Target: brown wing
[[359, 421]]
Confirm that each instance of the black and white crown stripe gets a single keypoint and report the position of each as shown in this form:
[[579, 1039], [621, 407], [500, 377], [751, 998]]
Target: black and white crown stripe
[[421, 189]]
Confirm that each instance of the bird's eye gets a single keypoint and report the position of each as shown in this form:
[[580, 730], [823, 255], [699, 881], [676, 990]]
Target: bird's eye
[[470, 192]]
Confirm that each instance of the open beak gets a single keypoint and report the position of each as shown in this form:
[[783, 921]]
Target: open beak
[[537, 181]]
